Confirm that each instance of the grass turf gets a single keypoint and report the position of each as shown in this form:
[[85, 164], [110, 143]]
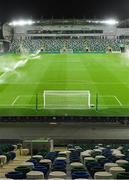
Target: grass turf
[[22, 77]]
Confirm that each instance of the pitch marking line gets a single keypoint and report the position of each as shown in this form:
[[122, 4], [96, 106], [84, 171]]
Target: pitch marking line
[[15, 100], [118, 101]]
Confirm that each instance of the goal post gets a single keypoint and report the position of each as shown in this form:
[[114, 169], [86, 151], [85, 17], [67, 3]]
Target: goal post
[[66, 99], [65, 51]]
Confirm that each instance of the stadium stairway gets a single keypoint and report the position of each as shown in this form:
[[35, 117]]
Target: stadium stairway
[[18, 157]]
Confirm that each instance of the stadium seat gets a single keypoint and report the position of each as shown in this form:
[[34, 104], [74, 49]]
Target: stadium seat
[[23, 169], [28, 164], [61, 158], [102, 175], [124, 175], [76, 165], [34, 161], [12, 155], [3, 160], [121, 162], [77, 45], [88, 160], [79, 175], [43, 169], [90, 165], [126, 167], [115, 170], [35, 175], [46, 162], [95, 169], [107, 166], [37, 157], [15, 175], [98, 158], [57, 174]]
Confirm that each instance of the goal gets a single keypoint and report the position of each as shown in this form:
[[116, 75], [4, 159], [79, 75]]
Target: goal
[[66, 51], [66, 99]]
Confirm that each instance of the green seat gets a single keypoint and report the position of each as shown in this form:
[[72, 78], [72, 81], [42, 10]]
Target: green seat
[[123, 175], [78, 169], [23, 169], [8, 156], [126, 167]]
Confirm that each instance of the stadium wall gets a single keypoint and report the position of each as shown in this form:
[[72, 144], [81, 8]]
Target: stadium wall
[[65, 130], [108, 31]]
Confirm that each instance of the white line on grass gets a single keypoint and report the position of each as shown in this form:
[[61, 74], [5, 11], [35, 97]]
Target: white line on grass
[[118, 101], [82, 83], [71, 82], [15, 100]]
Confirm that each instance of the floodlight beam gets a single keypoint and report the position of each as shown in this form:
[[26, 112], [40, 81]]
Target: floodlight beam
[[21, 22]]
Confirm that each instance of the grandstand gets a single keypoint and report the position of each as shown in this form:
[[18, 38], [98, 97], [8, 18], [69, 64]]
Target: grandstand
[[64, 99], [71, 161], [55, 35], [52, 45]]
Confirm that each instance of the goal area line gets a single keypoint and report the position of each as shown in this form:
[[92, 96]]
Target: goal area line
[[23, 101], [117, 103]]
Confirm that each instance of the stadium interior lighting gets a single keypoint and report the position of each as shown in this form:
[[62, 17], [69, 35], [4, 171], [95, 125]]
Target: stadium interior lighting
[[110, 22], [21, 22]]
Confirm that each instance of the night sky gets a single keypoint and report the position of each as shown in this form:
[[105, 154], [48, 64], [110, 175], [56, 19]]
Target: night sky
[[13, 9]]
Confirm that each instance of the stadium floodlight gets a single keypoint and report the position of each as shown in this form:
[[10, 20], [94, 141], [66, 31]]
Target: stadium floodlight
[[21, 22], [110, 22]]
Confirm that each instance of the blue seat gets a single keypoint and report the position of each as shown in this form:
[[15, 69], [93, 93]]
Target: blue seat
[[15, 175], [75, 159], [79, 175], [51, 156], [107, 153], [12, 155], [127, 158], [59, 162], [42, 169], [34, 161], [95, 169], [44, 164], [59, 167], [92, 164], [104, 161]]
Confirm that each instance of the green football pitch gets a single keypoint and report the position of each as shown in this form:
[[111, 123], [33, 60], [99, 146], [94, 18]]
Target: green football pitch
[[23, 80]]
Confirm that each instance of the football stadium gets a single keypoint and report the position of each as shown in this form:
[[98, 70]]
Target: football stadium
[[63, 71], [64, 99]]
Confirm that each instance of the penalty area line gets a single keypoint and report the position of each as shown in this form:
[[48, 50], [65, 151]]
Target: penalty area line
[[118, 101], [15, 100]]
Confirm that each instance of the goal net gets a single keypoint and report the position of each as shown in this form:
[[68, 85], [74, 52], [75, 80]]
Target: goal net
[[66, 99], [65, 51]]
